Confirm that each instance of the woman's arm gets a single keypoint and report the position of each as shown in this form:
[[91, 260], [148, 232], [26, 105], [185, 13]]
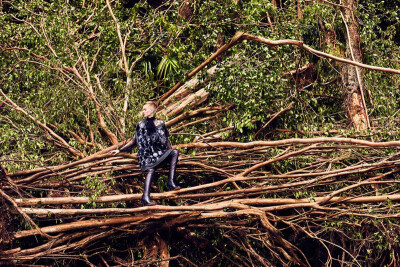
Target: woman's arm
[[128, 146]]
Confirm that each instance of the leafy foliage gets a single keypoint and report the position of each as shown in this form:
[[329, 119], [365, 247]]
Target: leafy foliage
[[63, 64]]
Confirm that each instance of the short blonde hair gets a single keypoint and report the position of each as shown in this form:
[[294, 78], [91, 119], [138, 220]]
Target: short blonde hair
[[152, 104]]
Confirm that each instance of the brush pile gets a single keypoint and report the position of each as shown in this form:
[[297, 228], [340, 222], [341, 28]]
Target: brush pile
[[271, 202]]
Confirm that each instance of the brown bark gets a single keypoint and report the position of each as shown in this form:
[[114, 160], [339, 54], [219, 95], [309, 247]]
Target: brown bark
[[337, 193], [156, 250], [290, 142], [191, 101], [186, 10], [352, 78], [237, 203], [92, 223], [299, 10], [189, 114], [190, 95]]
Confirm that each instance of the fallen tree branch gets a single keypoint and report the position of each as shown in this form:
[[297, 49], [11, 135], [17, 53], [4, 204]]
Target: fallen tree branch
[[93, 223], [236, 204], [24, 215], [284, 182], [291, 142]]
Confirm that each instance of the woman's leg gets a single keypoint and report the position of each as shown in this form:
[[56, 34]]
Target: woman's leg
[[146, 201], [172, 167]]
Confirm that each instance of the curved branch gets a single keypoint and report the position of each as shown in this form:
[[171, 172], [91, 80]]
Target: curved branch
[[240, 36], [291, 141], [74, 151], [316, 52]]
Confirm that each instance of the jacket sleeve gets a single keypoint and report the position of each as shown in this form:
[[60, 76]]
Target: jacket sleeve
[[165, 130], [128, 146]]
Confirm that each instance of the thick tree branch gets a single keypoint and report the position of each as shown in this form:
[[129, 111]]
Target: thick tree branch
[[240, 36]]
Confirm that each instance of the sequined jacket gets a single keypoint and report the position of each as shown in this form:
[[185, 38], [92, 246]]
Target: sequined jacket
[[152, 147]]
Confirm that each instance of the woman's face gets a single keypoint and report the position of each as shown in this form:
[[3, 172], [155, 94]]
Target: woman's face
[[148, 111]]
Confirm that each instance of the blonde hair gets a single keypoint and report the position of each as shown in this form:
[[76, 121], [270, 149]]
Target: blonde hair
[[151, 103]]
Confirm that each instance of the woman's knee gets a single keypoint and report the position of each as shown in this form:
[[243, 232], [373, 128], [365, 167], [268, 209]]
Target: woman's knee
[[175, 152]]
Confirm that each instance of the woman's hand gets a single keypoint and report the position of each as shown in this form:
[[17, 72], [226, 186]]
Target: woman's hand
[[114, 152]]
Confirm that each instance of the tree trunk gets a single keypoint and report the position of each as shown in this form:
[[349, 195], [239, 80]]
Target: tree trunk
[[299, 10], [352, 78]]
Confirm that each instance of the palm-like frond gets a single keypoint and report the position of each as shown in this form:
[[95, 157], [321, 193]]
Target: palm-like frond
[[168, 67]]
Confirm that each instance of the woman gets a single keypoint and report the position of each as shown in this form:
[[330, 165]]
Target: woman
[[151, 137]]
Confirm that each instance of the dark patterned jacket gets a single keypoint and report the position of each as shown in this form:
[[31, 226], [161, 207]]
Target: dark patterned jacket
[[152, 147]]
